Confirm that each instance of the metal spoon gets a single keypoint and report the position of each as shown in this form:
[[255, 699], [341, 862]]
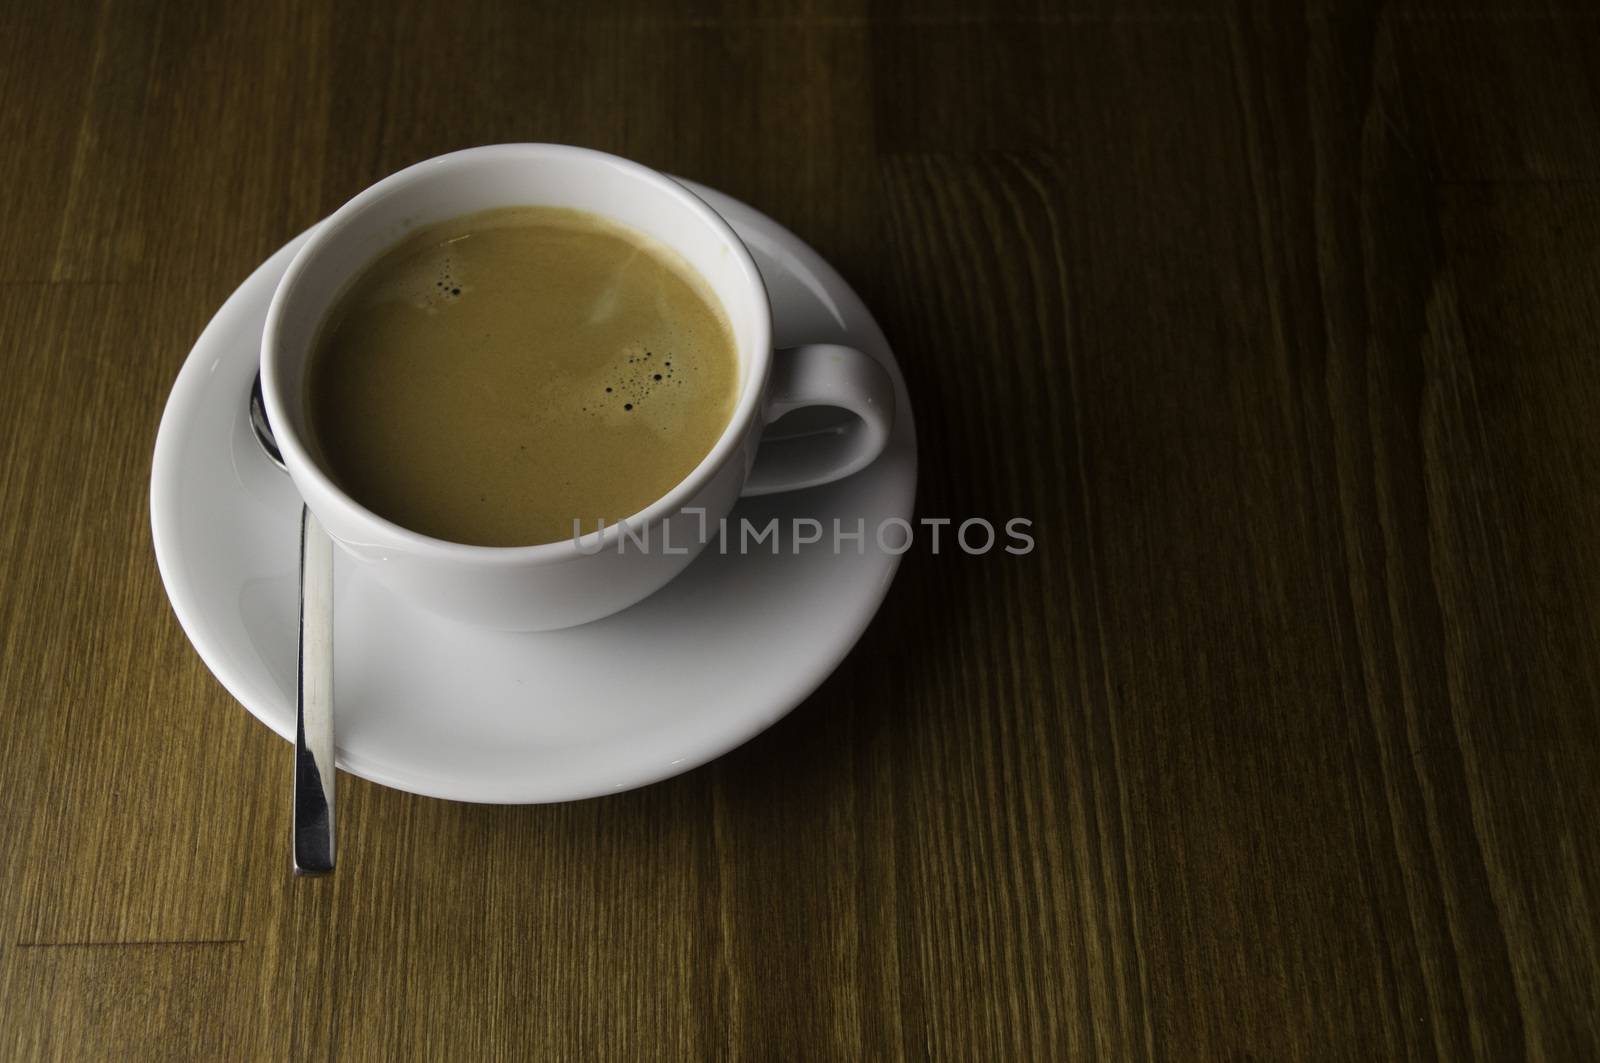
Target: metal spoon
[[313, 732]]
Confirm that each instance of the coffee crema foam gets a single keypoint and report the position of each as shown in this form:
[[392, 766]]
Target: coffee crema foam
[[494, 377]]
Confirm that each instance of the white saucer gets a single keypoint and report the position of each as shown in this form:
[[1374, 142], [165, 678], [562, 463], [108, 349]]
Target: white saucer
[[437, 708]]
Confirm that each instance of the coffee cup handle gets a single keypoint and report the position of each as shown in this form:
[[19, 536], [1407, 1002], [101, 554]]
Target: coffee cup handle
[[821, 451]]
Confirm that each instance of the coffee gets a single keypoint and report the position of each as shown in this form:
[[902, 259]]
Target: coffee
[[492, 378]]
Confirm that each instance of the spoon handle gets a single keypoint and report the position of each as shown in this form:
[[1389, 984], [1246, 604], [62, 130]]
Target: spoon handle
[[313, 743]]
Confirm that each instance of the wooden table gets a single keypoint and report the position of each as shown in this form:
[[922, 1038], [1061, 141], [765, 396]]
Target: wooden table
[[1282, 324]]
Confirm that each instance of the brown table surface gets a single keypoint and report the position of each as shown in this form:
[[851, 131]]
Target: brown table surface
[[1281, 323]]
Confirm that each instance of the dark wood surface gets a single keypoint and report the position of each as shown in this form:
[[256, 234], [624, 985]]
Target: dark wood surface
[[1281, 321]]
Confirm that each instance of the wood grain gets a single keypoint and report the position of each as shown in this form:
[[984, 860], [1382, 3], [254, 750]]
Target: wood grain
[[1281, 324]]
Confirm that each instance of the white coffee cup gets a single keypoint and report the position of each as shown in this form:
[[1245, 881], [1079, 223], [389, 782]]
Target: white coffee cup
[[570, 582]]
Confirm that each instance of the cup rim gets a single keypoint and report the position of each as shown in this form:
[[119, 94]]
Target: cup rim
[[298, 458]]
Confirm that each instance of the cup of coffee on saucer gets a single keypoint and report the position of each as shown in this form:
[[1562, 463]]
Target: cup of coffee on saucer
[[519, 383]]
